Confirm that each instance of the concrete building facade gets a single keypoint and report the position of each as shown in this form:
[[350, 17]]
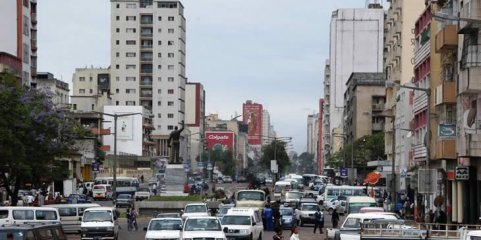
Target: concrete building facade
[[18, 35], [148, 61], [266, 127], [91, 89], [313, 134], [194, 120], [57, 88]]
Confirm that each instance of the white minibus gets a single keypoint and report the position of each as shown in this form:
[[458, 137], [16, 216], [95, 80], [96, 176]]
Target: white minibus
[[71, 215], [22, 215]]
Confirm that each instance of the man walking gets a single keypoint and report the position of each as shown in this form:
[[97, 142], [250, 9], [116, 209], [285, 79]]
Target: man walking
[[335, 218], [319, 221]]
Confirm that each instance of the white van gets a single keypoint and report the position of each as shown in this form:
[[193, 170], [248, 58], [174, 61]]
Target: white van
[[354, 203], [71, 215], [243, 223], [102, 191], [21, 215], [99, 223], [279, 187]]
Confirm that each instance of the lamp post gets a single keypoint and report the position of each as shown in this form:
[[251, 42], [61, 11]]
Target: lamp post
[[116, 116]]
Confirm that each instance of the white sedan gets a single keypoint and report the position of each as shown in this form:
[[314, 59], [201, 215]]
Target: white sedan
[[202, 228], [164, 228]]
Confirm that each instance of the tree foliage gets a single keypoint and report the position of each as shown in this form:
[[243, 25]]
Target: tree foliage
[[307, 164], [276, 150], [367, 148], [32, 134]]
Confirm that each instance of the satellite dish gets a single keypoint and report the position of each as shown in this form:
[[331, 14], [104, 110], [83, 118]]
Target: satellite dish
[[469, 119], [410, 134]]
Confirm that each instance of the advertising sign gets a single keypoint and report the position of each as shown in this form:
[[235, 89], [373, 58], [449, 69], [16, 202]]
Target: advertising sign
[[103, 81], [343, 172], [219, 140], [462, 173], [125, 127], [447, 130], [274, 167], [252, 116]]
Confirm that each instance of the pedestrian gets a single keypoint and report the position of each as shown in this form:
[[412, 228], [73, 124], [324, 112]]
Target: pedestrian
[[278, 235], [133, 214], [277, 214], [142, 178], [129, 219], [295, 233], [319, 221], [335, 218]]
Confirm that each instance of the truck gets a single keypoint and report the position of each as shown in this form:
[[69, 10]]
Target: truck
[[251, 198], [352, 224]]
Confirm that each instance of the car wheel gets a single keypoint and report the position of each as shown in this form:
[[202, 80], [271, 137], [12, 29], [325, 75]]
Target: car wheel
[[331, 210]]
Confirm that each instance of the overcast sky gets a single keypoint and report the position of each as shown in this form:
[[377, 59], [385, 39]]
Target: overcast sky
[[269, 51]]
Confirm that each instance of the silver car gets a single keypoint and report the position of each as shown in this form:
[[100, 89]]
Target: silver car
[[124, 200]]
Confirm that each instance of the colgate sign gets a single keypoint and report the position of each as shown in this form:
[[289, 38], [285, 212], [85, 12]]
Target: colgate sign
[[225, 139]]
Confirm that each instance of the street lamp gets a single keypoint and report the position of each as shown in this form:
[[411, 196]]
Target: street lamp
[[116, 116]]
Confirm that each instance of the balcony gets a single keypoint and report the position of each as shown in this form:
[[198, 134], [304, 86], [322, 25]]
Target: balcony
[[422, 53], [447, 38], [420, 102], [420, 152], [146, 95], [446, 149], [378, 107], [100, 131], [146, 82], [469, 81], [378, 126], [470, 9], [33, 18], [445, 93], [33, 44]]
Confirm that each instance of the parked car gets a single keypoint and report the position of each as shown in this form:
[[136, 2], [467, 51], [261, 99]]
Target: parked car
[[227, 179], [243, 223], [124, 200], [195, 210], [223, 208], [288, 219], [306, 211], [202, 228], [33, 231], [164, 228], [168, 215]]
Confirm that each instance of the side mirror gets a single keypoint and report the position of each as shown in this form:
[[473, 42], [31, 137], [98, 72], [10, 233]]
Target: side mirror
[[115, 218], [145, 228], [80, 219], [226, 230], [254, 223]]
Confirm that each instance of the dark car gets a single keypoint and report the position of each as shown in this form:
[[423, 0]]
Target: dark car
[[288, 219], [124, 200], [78, 198], [33, 231]]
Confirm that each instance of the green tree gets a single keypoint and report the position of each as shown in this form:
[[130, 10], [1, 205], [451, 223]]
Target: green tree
[[367, 148], [307, 163], [32, 134], [276, 150]]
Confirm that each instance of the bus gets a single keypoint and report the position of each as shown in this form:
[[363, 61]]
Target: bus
[[333, 191], [128, 185]]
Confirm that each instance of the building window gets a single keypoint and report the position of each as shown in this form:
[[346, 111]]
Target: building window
[[117, 30], [170, 79], [81, 79], [130, 79], [130, 103], [130, 18], [170, 55], [130, 30], [167, 5], [117, 54], [130, 54], [159, 103], [74, 106], [81, 91], [170, 127], [130, 91], [117, 66], [170, 103], [130, 42], [91, 79], [117, 42], [159, 91], [170, 91], [170, 43], [159, 43], [158, 127], [118, 5], [170, 115], [117, 79], [130, 66], [160, 18], [117, 90], [159, 79], [116, 102], [159, 30], [171, 19], [159, 115], [117, 18], [91, 91], [171, 30], [170, 67], [159, 55], [131, 5]]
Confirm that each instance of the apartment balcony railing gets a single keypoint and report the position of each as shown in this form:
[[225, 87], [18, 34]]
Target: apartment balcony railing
[[146, 46], [146, 83], [422, 53], [470, 9], [470, 70], [420, 102], [445, 93], [33, 18], [447, 38], [378, 126], [420, 152]]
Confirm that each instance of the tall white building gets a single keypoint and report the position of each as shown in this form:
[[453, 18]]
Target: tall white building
[[148, 60], [356, 45], [91, 89], [313, 134], [266, 128]]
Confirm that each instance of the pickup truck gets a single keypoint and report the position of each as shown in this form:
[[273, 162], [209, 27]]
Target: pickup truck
[[142, 193], [352, 224]]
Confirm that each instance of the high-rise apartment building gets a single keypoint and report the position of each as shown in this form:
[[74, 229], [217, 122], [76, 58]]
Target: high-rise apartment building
[[91, 89], [312, 134], [194, 120], [356, 45], [266, 128], [18, 35], [148, 60]]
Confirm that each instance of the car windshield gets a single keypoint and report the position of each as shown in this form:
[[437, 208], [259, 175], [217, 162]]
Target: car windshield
[[124, 196], [205, 224], [168, 215], [14, 234], [97, 216], [309, 207], [286, 211], [223, 210], [167, 224], [143, 190], [294, 195], [253, 196], [195, 208], [356, 207], [236, 220]]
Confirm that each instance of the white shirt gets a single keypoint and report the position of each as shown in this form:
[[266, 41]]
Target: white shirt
[[295, 236]]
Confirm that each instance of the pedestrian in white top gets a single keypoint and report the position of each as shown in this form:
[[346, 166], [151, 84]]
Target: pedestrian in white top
[[295, 233]]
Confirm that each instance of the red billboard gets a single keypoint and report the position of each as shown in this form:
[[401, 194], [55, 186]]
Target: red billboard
[[224, 139], [252, 116]]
